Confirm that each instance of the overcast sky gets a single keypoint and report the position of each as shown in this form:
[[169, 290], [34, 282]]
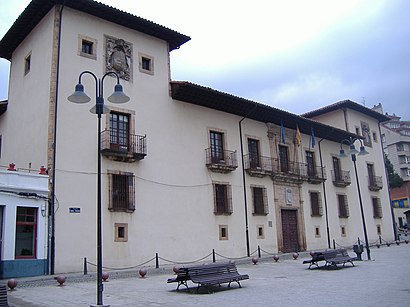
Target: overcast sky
[[295, 55]]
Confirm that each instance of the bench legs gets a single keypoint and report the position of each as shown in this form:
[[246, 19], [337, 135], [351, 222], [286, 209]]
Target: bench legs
[[237, 281], [184, 282]]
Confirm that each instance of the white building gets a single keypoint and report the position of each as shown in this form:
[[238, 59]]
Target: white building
[[186, 169], [23, 223]]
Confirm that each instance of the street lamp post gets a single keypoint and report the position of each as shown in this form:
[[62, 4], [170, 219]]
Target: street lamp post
[[117, 97], [353, 151]]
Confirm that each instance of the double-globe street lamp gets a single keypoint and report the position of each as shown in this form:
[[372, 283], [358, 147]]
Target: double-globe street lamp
[[117, 97], [353, 151]]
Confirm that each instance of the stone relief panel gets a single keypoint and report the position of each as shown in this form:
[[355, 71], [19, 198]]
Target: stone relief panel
[[118, 57]]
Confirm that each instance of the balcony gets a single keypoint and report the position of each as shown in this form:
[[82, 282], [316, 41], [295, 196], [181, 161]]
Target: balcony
[[341, 178], [258, 166], [288, 171], [131, 150], [315, 174], [221, 161], [375, 183]]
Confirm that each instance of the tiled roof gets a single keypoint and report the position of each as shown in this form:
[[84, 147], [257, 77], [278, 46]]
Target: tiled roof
[[349, 105], [210, 98], [37, 9]]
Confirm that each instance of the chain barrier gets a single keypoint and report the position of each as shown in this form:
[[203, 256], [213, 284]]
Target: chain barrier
[[124, 268], [187, 262]]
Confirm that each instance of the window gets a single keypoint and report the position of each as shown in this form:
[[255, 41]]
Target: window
[[379, 230], [310, 160], [317, 232], [253, 149], [87, 47], [377, 208], [260, 201], [222, 199], [122, 192], [283, 158], [315, 204], [146, 64], [343, 231], [119, 131], [26, 233], [121, 232], [260, 234], [27, 64], [357, 130], [370, 173], [343, 206], [223, 232], [374, 136], [337, 169], [217, 146]]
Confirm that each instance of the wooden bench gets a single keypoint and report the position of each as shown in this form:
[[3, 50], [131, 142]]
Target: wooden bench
[[332, 257], [208, 275], [339, 256]]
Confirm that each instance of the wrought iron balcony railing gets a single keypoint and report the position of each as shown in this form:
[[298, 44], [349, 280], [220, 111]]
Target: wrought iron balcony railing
[[341, 178], [221, 161], [315, 174], [129, 149], [375, 183], [258, 166]]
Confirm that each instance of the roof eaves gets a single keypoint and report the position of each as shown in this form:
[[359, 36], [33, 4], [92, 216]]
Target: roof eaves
[[37, 9]]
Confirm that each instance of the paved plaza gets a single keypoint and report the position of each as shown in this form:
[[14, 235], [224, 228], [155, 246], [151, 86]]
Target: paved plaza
[[384, 281]]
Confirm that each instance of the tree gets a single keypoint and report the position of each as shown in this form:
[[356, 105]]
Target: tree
[[395, 181]]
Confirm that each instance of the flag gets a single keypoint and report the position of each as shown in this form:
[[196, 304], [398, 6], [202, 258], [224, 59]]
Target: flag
[[282, 132], [297, 138], [313, 138]]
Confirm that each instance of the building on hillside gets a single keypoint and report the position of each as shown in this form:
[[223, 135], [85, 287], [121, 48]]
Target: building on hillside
[[183, 164], [396, 144], [23, 222]]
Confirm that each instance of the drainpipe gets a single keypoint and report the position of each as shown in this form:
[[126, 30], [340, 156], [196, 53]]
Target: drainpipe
[[388, 187], [248, 253], [324, 196], [52, 200]]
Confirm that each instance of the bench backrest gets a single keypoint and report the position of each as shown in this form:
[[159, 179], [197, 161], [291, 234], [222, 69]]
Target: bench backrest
[[209, 269]]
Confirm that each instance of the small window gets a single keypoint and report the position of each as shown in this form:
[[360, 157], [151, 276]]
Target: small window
[[374, 134], [343, 231], [379, 230], [343, 206], [377, 208], [316, 204], [223, 232], [260, 232], [357, 130], [146, 64], [121, 232], [87, 47], [317, 232], [122, 195], [260, 201], [222, 199], [27, 64]]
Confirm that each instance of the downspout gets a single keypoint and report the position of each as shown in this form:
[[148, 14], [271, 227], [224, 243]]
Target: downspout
[[324, 195], [388, 187], [52, 198], [248, 253]]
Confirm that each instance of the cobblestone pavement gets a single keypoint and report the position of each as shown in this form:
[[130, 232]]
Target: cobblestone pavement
[[383, 281]]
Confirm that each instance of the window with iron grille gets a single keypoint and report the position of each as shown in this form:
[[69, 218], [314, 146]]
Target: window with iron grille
[[315, 204], [222, 199], [377, 208], [119, 131], [343, 206], [122, 192], [259, 200]]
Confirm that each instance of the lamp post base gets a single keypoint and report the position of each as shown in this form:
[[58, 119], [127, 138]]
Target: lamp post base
[[93, 305]]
